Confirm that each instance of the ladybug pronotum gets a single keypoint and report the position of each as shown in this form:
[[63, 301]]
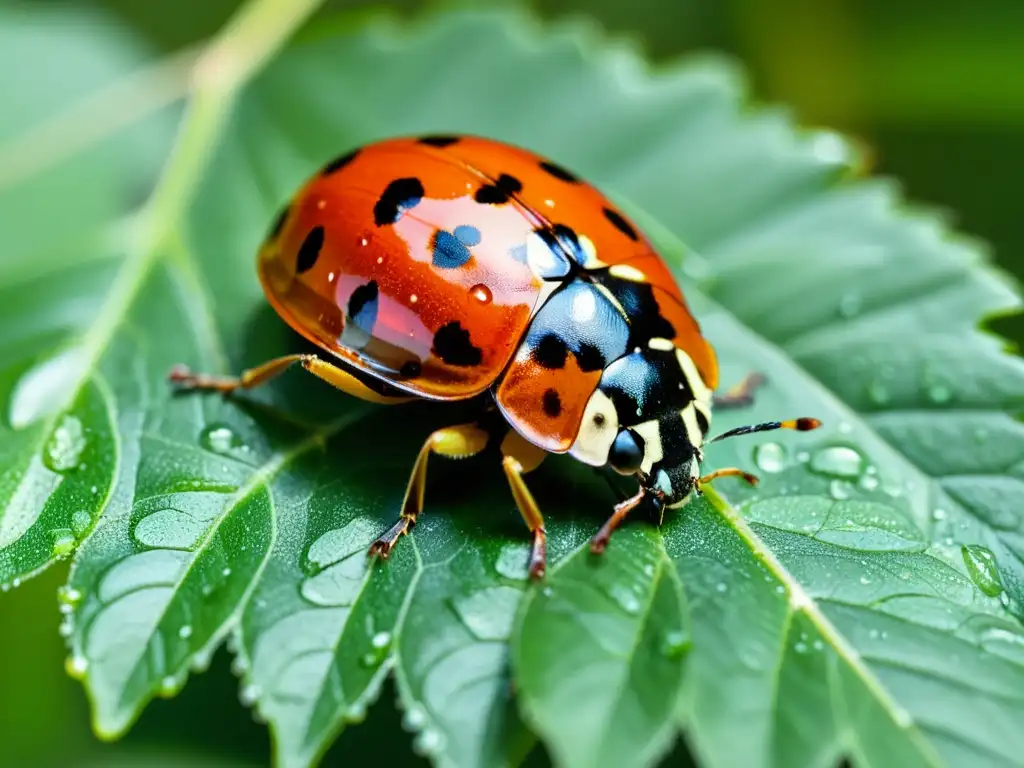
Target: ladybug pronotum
[[454, 267]]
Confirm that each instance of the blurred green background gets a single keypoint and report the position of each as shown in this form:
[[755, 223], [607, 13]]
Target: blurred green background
[[933, 89]]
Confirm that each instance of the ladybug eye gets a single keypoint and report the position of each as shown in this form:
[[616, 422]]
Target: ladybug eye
[[627, 452]]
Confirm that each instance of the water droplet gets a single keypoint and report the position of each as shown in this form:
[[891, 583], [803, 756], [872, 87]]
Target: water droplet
[[428, 743], [838, 461], [721, 587], [839, 489], [169, 528], [185, 632], [220, 438], [513, 561], [68, 596], [982, 568], [873, 634], [63, 452], [172, 685], [818, 645], [625, 598], [676, 644], [226, 572], [64, 542], [936, 387], [356, 713], [869, 482], [249, 694], [66, 628], [865, 580], [800, 647], [878, 392], [770, 457], [239, 666], [980, 435], [201, 661], [81, 520], [44, 388], [76, 666], [938, 514], [850, 304], [481, 293], [414, 719], [381, 640]]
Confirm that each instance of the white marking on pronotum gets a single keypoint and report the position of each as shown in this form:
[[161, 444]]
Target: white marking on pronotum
[[662, 345], [653, 452], [697, 386], [689, 417], [626, 272]]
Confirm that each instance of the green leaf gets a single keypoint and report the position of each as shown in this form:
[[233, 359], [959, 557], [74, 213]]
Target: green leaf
[[864, 601]]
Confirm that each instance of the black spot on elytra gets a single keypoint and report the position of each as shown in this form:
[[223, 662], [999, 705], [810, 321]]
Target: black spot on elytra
[[411, 369], [550, 352], [589, 358], [399, 196], [362, 306], [500, 191], [309, 251], [279, 221], [451, 249], [552, 403], [620, 223], [558, 172], [452, 345], [438, 141], [641, 307], [339, 162]]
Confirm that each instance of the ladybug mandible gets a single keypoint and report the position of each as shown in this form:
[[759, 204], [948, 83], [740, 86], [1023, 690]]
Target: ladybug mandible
[[456, 267]]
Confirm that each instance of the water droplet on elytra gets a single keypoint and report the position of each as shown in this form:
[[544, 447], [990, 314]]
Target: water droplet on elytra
[[481, 293], [770, 457], [982, 568], [64, 449], [838, 461]]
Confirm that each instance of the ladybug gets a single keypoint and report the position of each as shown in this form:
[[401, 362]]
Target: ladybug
[[456, 267]]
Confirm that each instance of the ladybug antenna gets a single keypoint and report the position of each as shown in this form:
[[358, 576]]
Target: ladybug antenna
[[800, 425]]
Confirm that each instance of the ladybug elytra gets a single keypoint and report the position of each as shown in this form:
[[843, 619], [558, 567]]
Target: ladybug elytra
[[456, 267]]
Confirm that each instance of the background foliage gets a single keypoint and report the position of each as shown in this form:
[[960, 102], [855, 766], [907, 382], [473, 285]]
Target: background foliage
[[931, 93]]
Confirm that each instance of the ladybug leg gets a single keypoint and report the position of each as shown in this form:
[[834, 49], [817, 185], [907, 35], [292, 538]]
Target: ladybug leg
[[740, 395], [457, 442], [261, 374], [727, 472], [600, 539], [521, 457]]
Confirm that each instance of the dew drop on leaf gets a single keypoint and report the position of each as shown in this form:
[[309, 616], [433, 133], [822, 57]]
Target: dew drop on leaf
[[249, 694], [356, 712], [220, 438], [68, 596], [76, 666], [838, 461], [770, 457], [185, 632], [982, 568], [625, 598], [878, 392], [63, 452], [80, 522], [513, 561], [676, 644], [839, 489], [64, 542], [850, 304], [414, 719], [44, 388], [428, 743]]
